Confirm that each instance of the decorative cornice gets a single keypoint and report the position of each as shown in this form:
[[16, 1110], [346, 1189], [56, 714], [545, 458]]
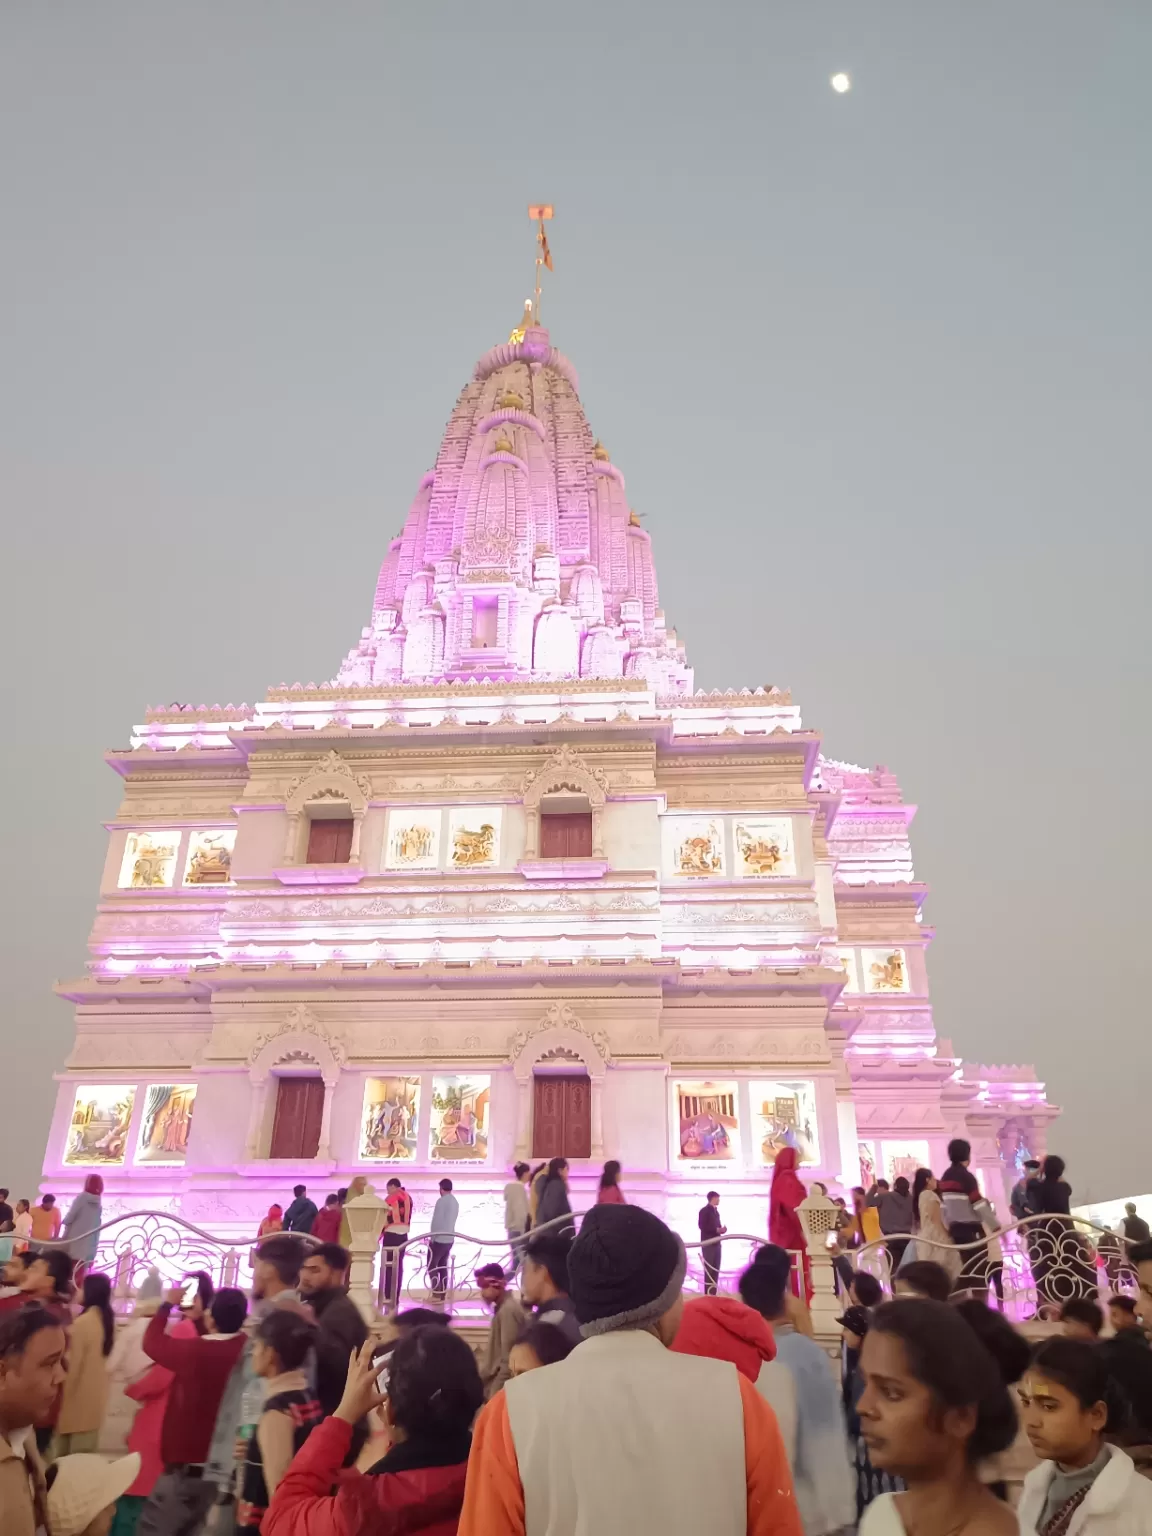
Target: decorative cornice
[[465, 691], [559, 1016]]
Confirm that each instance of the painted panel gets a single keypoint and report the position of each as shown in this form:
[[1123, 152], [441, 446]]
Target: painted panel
[[210, 858], [474, 837], [166, 1124], [869, 1164], [460, 1119], [390, 1119], [98, 1133], [693, 846], [764, 846], [149, 860], [904, 1157], [413, 838], [707, 1121], [884, 970], [784, 1115]]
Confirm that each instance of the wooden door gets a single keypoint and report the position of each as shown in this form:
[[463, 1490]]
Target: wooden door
[[299, 1111], [567, 836], [330, 841], [562, 1117]]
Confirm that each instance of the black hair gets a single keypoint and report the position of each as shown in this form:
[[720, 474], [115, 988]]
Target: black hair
[[919, 1185], [764, 1283], [299, 1189], [47, 1201], [520, 1169], [959, 1150], [229, 1309], [926, 1278], [1031, 1162], [1124, 1303], [333, 1199], [1052, 1168], [713, 1194], [60, 1267], [205, 1289], [883, 1184], [556, 1167], [1080, 1310], [956, 1364], [288, 1335], [333, 1255], [446, 1186], [550, 1250], [434, 1386], [1010, 1350], [420, 1317], [546, 1342], [342, 1195], [18, 1328], [3, 1194], [393, 1184], [98, 1293], [1140, 1253], [285, 1252], [1080, 1368], [491, 1272], [611, 1175], [869, 1291], [901, 1185], [27, 1258], [536, 1172]]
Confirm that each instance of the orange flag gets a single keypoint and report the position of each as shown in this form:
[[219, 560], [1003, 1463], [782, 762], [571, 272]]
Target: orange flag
[[545, 250]]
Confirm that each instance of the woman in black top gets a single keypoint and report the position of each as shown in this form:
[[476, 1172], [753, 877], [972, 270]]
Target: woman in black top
[[554, 1200], [280, 1350], [1061, 1264]]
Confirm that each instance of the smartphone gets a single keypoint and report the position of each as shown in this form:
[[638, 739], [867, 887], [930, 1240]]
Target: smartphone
[[191, 1291]]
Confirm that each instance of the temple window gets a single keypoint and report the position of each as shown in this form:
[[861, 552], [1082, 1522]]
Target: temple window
[[565, 827], [330, 839], [562, 1114], [299, 1113]]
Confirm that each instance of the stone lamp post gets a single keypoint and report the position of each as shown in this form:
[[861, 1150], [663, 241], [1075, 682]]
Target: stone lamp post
[[818, 1216], [365, 1214]]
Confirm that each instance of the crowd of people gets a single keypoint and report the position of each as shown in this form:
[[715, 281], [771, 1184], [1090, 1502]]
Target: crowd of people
[[601, 1398]]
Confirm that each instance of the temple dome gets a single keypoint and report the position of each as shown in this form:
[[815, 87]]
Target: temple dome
[[520, 556]]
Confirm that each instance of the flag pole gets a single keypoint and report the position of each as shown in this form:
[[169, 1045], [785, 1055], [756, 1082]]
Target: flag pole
[[539, 212]]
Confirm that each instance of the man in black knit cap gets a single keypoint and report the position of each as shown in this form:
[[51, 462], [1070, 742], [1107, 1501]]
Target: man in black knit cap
[[624, 1435]]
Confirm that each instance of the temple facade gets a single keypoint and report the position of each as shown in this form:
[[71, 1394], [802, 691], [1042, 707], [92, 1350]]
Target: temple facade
[[508, 888]]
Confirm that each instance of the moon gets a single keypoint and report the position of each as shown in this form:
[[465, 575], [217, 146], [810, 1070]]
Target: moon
[[841, 83]]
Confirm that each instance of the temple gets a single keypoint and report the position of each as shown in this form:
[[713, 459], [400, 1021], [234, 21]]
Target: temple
[[508, 888]]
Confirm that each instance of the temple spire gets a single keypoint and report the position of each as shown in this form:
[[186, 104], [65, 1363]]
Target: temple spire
[[540, 212]]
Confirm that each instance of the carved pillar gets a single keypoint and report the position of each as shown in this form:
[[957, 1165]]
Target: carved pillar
[[256, 1120], [532, 832], [365, 1214], [357, 824], [293, 843], [597, 832], [322, 1151], [598, 1118], [524, 1117]]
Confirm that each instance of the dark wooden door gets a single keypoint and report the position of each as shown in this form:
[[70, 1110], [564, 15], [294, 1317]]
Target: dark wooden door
[[299, 1110], [567, 836], [330, 841], [562, 1117]]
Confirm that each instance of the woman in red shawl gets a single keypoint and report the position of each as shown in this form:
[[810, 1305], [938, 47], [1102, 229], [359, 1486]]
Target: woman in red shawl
[[785, 1228]]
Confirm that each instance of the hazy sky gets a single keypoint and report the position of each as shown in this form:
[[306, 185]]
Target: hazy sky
[[875, 366]]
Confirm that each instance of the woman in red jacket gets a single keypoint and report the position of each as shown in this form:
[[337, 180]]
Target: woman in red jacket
[[785, 1228], [610, 1192], [434, 1393]]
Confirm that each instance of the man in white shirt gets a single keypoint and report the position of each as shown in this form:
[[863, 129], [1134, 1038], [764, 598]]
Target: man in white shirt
[[441, 1236]]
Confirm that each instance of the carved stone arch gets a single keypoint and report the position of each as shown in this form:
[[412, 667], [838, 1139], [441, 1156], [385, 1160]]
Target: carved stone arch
[[565, 769], [299, 1040], [329, 779], [559, 1039]]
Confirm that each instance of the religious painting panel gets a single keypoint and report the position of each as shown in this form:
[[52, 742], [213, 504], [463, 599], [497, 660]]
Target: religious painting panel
[[413, 840], [149, 860], [98, 1134], [693, 846], [902, 1158], [884, 970], [474, 837], [460, 1119], [707, 1121], [166, 1124], [764, 846], [210, 858], [784, 1115], [390, 1119], [869, 1162]]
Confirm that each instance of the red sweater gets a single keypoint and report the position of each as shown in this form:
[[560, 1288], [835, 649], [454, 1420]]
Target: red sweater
[[326, 1227], [424, 1499], [201, 1368]]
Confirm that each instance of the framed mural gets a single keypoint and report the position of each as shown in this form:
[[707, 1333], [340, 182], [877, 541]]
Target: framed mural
[[474, 837], [210, 858], [390, 1119], [165, 1124], [694, 845], [884, 970], [413, 840], [764, 846], [98, 1134], [707, 1121], [869, 1162], [784, 1115], [149, 860], [904, 1157], [459, 1119]]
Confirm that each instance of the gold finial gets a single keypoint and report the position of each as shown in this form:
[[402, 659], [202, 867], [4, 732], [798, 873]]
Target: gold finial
[[633, 520], [517, 334], [539, 213], [600, 452], [510, 401], [502, 445]]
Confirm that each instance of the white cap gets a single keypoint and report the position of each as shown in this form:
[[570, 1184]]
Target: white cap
[[85, 1486]]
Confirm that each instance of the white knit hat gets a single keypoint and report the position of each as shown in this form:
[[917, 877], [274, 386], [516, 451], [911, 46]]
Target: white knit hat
[[83, 1487]]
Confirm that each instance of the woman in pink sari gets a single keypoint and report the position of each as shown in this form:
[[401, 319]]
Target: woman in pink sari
[[785, 1228]]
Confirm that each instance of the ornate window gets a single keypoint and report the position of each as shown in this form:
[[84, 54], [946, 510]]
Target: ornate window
[[564, 807], [326, 809]]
